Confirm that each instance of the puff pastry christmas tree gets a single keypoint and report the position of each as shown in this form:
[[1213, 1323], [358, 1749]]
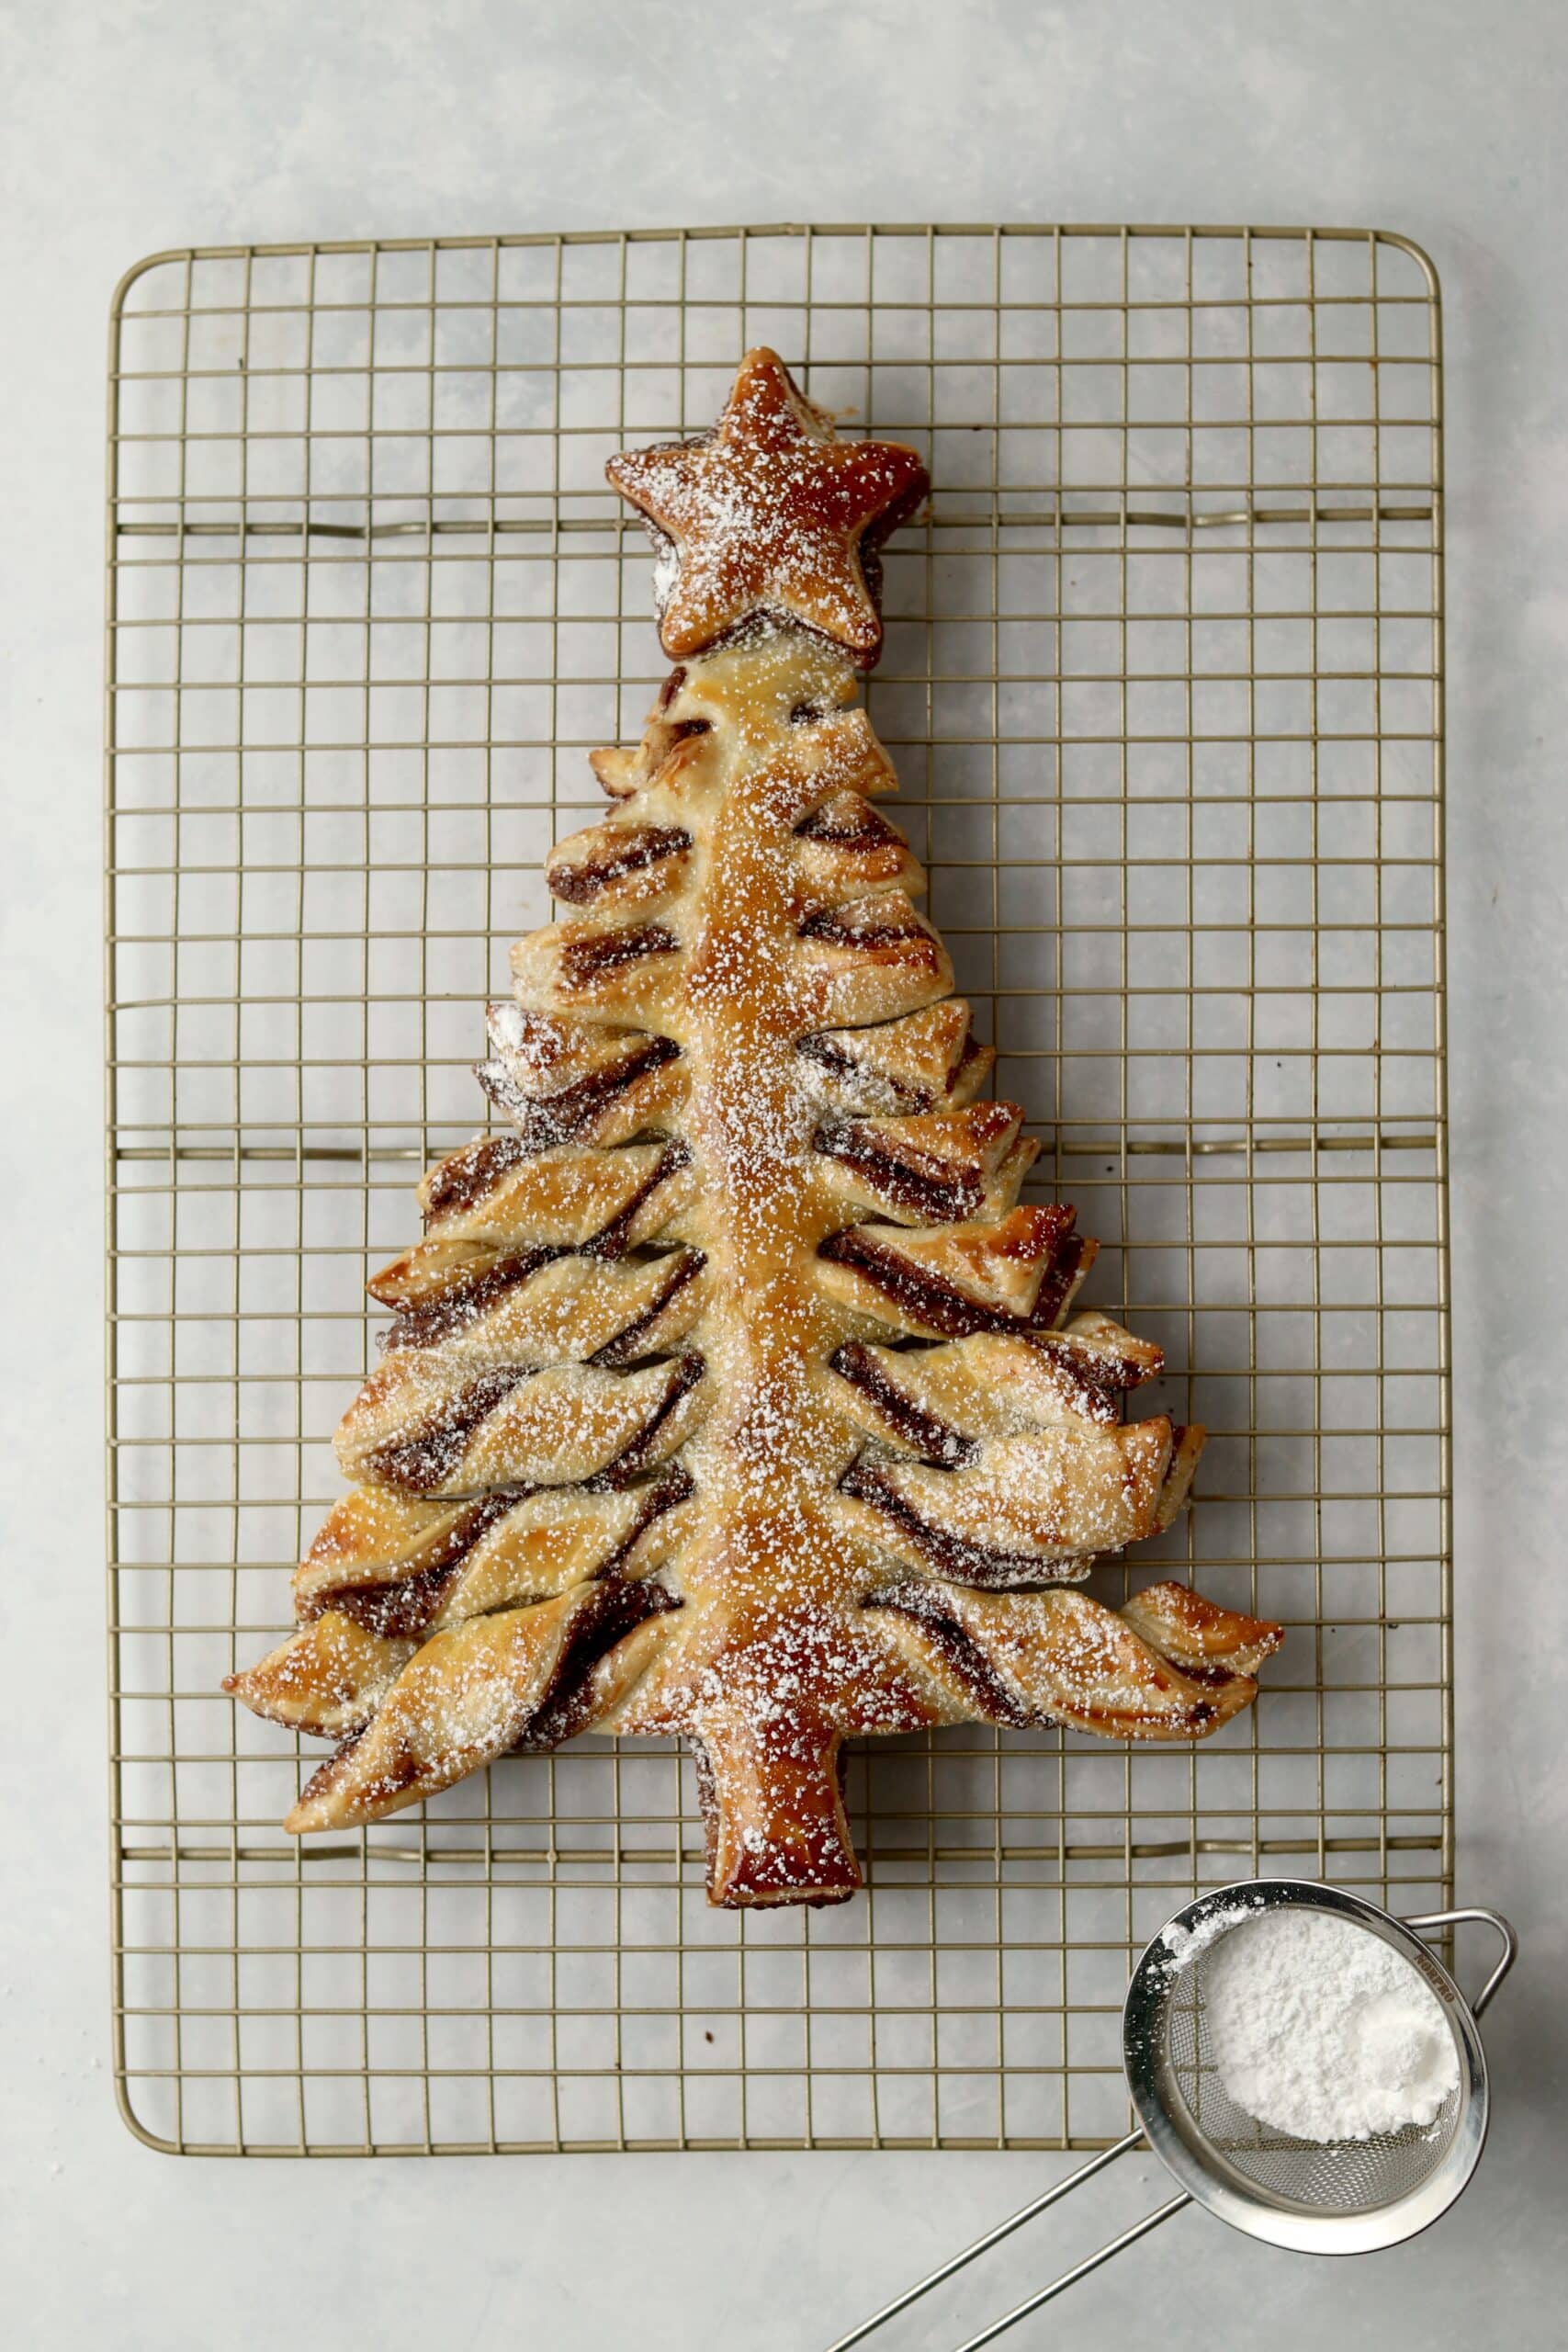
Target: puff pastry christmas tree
[[732, 1392]]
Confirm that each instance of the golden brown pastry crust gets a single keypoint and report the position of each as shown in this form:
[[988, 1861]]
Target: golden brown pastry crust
[[734, 1392]]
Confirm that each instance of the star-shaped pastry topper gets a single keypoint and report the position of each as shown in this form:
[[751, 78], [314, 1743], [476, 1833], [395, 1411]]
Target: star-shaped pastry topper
[[772, 513]]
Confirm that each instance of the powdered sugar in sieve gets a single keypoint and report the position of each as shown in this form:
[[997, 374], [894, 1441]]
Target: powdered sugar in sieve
[[1324, 2031]]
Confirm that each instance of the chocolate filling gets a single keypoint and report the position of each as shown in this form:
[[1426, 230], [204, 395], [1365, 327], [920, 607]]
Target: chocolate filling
[[866, 832], [583, 960], [956, 1556], [463, 1302], [640, 846], [938, 1305], [424, 1460], [611, 1612], [1097, 1383], [640, 1454], [878, 532], [404, 1608], [612, 1240], [973, 1052], [476, 1170], [468, 1175], [924, 1433], [839, 927], [673, 1485], [830, 1056], [993, 1702], [418, 1463], [1056, 1285], [436, 1318], [1212, 1677], [399, 1773], [930, 1188], [624, 1348]]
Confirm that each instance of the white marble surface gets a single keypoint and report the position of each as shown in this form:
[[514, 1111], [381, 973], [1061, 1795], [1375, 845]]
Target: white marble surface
[[157, 122]]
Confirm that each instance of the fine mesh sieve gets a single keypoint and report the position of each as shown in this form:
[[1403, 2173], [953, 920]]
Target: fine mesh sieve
[[1336, 2196], [1337, 2177], [1339, 2197]]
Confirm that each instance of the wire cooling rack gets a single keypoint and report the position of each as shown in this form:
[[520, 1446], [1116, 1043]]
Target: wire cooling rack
[[1162, 684]]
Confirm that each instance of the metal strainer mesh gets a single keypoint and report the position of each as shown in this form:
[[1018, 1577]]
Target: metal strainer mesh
[[1337, 2177]]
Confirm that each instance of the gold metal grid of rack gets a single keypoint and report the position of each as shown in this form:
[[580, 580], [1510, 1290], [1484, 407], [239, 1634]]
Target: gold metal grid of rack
[[1163, 687]]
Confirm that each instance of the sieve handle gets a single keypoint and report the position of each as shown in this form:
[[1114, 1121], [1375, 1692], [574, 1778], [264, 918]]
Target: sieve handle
[[1004, 2229], [1488, 1919]]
